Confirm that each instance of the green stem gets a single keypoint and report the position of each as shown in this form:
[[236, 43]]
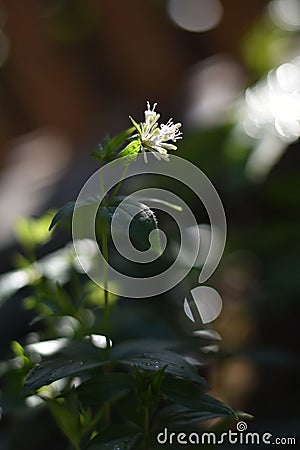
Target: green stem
[[119, 183], [105, 255], [105, 285], [146, 428], [104, 245]]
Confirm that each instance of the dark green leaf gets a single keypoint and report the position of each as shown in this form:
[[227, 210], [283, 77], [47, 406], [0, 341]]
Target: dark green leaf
[[133, 347], [69, 208], [117, 141], [180, 415], [105, 152], [142, 221], [82, 351], [62, 213], [189, 395], [50, 371], [107, 387], [122, 437], [74, 358], [176, 364], [156, 446]]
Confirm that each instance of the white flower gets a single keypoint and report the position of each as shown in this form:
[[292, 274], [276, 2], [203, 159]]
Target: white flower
[[154, 138]]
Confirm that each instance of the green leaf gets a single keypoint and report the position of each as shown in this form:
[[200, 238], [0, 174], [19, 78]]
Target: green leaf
[[70, 207], [32, 232], [75, 358], [189, 395], [142, 219], [133, 347], [66, 414], [180, 415], [136, 125], [161, 202], [142, 222], [123, 436], [116, 142], [107, 387], [156, 446], [105, 152], [130, 151], [81, 351], [176, 364], [56, 369], [62, 213]]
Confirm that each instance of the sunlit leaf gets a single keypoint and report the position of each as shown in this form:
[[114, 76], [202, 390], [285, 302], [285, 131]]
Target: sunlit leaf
[[130, 152], [161, 202], [31, 232], [105, 151], [66, 413]]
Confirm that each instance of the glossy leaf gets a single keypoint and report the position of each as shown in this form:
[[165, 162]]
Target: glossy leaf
[[116, 437], [56, 369], [180, 415], [75, 358], [189, 395], [176, 364]]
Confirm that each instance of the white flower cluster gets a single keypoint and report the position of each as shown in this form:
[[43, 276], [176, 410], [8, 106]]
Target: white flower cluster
[[154, 138]]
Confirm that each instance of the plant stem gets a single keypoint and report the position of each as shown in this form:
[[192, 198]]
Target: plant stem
[[119, 183], [104, 245], [146, 428], [105, 285], [106, 306]]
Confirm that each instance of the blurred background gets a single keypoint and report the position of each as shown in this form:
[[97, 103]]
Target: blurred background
[[72, 71]]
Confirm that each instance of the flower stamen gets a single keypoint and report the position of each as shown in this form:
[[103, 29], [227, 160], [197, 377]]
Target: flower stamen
[[154, 138]]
